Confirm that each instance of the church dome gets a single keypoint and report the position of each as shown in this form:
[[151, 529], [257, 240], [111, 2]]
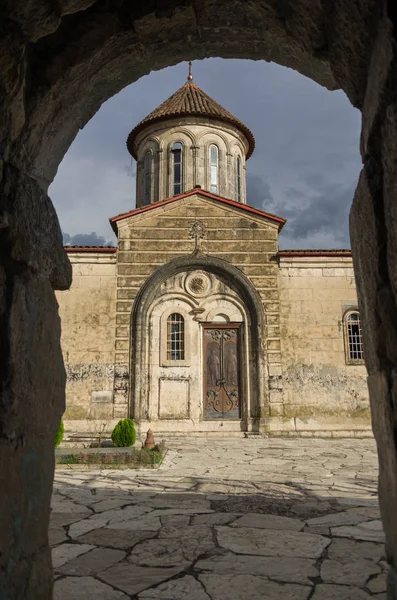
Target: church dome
[[190, 100], [190, 141]]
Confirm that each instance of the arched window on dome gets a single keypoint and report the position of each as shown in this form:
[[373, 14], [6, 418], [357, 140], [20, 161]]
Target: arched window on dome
[[177, 167], [214, 168], [353, 337], [175, 337], [238, 178], [147, 178]]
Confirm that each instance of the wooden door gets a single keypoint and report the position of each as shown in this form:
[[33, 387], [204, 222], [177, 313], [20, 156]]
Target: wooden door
[[221, 364]]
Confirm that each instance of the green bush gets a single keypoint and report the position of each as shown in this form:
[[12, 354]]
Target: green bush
[[124, 434], [59, 434]]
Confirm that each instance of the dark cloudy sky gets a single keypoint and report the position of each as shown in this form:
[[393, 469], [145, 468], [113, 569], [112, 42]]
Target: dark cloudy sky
[[304, 168]]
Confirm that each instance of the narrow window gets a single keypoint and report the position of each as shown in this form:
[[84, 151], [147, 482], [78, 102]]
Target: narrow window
[[176, 150], [214, 169], [175, 337], [147, 181], [238, 178], [354, 340]]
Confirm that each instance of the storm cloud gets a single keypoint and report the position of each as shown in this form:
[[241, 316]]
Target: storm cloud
[[85, 239], [304, 168]]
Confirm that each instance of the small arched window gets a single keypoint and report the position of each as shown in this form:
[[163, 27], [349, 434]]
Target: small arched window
[[214, 170], [238, 178], [175, 337], [147, 177], [353, 337], [177, 167]]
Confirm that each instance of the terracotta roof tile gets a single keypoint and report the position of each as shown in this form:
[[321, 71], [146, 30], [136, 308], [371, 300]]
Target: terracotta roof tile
[[315, 252], [101, 249], [190, 100]]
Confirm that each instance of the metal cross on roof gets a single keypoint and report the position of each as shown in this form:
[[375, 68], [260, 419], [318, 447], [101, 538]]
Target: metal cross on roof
[[190, 76]]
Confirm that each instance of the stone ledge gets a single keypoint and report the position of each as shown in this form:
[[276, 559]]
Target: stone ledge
[[95, 455]]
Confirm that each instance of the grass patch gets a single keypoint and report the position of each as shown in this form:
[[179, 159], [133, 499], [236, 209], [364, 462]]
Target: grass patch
[[71, 459], [153, 456]]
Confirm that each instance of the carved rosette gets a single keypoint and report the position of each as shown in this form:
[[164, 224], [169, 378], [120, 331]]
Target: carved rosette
[[198, 284]]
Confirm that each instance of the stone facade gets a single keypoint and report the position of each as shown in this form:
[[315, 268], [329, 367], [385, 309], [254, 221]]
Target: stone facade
[[88, 317], [321, 391], [308, 386], [294, 370]]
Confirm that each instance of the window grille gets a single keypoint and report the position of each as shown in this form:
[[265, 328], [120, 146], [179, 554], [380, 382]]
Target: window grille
[[147, 182], [214, 160], [238, 178], [175, 337], [176, 150], [354, 340]]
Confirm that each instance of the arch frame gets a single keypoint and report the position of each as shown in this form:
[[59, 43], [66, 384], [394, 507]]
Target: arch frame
[[139, 346]]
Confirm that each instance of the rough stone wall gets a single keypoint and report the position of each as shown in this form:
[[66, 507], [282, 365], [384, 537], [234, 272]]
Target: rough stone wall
[[152, 239], [32, 380], [373, 234], [88, 319], [319, 390]]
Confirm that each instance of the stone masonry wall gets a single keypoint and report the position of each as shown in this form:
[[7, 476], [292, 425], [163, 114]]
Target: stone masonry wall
[[154, 238], [88, 316], [320, 391]]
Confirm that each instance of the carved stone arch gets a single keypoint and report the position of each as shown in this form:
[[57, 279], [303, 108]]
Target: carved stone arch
[[173, 137], [238, 306], [256, 335], [237, 144], [212, 133], [150, 146], [151, 142]]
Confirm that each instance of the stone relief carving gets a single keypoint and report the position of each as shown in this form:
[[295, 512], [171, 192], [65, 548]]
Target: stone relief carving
[[198, 284], [197, 232]]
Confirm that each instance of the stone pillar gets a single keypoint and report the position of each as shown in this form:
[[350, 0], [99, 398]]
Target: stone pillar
[[229, 190], [373, 227], [158, 174], [196, 171], [32, 397]]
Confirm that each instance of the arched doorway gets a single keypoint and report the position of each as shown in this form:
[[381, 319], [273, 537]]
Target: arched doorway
[[203, 397]]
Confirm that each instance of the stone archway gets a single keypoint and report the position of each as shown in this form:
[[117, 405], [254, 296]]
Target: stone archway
[[255, 331], [60, 61]]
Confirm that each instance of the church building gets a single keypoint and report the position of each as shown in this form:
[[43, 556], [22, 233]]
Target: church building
[[196, 323]]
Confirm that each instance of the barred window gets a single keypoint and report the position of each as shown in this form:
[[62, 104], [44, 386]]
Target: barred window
[[353, 338], [177, 152], [175, 337], [214, 175]]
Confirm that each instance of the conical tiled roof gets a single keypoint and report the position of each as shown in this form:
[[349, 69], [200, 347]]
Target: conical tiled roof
[[190, 100]]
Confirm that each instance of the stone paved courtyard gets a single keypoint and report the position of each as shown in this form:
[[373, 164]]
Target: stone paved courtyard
[[224, 519]]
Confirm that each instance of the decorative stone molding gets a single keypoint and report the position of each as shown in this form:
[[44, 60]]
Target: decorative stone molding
[[198, 284]]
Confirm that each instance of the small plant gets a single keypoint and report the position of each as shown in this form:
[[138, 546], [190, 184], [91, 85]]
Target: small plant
[[124, 434], [70, 459], [150, 456], [97, 428], [59, 434]]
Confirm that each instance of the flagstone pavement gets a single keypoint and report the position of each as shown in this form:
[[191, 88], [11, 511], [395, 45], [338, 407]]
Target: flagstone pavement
[[224, 519]]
